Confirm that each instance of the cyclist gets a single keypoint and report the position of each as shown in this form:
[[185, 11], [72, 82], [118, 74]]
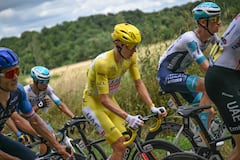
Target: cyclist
[[104, 77], [12, 97], [189, 47], [222, 81], [38, 91]]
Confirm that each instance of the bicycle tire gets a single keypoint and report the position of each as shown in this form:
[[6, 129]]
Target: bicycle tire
[[92, 152], [156, 148], [184, 156], [168, 130]]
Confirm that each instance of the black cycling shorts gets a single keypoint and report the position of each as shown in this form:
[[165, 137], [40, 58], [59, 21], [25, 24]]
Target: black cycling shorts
[[223, 88], [15, 148]]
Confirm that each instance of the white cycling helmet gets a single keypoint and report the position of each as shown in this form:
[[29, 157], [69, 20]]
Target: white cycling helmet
[[40, 73], [205, 10]]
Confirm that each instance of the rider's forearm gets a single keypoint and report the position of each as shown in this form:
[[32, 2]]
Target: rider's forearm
[[22, 124], [42, 129], [63, 107], [11, 125], [108, 103], [143, 92]]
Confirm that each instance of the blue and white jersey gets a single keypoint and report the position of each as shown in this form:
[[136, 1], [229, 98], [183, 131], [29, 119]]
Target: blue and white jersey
[[230, 41], [36, 98], [17, 101], [185, 50]]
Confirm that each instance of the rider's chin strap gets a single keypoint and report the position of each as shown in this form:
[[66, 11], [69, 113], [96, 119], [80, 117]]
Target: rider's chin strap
[[206, 28], [36, 84], [120, 51]]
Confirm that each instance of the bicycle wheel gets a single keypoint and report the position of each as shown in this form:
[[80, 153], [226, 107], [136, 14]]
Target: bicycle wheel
[[155, 149], [92, 152], [169, 131], [184, 156]]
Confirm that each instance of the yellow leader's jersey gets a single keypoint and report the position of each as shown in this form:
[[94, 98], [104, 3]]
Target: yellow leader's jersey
[[104, 74], [104, 77]]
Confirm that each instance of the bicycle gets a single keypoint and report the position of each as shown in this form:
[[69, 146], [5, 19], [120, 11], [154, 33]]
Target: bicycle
[[83, 148], [51, 153], [187, 131], [150, 149], [211, 151], [136, 148], [72, 143], [176, 132]]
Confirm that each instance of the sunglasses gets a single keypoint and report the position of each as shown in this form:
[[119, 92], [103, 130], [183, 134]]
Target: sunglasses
[[43, 81], [11, 74], [131, 47], [215, 19]]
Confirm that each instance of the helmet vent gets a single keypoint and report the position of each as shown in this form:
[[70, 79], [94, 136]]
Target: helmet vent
[[5, 59], [14, 59]]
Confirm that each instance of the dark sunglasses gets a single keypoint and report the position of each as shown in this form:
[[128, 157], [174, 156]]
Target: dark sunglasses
[[43, 81], [10, 74], [131, 47]]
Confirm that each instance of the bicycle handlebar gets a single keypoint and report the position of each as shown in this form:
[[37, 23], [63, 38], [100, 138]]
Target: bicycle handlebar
[[133, 132], [75, 121]]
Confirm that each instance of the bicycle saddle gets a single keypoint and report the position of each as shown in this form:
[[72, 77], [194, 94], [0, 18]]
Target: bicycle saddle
[[190, 112]]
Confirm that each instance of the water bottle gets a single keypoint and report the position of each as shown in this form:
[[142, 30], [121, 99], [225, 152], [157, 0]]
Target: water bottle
[[214, 130]]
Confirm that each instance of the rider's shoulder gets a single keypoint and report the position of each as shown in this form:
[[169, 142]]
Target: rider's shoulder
[[20, 87], [104, 59], [188, 36]]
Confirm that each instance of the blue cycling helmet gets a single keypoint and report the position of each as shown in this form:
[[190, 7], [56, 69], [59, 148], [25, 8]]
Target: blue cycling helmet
[[205, 10], [40, 73], [8, 58]]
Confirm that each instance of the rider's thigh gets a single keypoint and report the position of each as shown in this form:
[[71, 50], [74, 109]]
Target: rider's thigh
[[200, 87]]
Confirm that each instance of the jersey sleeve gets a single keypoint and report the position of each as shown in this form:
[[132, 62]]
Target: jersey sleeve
[[24, 105], [101, 77], [193, 48], [134, 70], [53, 96]]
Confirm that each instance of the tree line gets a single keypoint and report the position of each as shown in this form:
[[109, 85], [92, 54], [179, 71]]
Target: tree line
[[76, 41]]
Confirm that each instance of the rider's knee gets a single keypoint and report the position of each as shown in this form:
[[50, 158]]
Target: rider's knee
[[118, 146]]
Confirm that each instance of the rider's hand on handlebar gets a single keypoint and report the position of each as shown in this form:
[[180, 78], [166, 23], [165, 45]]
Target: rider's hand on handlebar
[[161, 111], [23, 138], [64, 152], [134, 121]]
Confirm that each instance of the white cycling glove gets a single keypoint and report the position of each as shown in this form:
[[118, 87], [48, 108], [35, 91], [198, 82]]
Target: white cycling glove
[[134, 121], [159, 110]]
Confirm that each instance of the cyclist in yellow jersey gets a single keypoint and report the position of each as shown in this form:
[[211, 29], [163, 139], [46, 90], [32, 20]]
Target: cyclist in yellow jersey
[[104, 77]]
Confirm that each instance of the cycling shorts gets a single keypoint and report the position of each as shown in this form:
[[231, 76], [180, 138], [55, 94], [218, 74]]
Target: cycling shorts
[[179, 82], [15, 148], [108, 124], [223, 88]]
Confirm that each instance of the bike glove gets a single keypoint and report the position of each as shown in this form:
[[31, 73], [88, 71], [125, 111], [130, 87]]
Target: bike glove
[[158, 110], [23, 138], [134, 121], [44, 103]]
